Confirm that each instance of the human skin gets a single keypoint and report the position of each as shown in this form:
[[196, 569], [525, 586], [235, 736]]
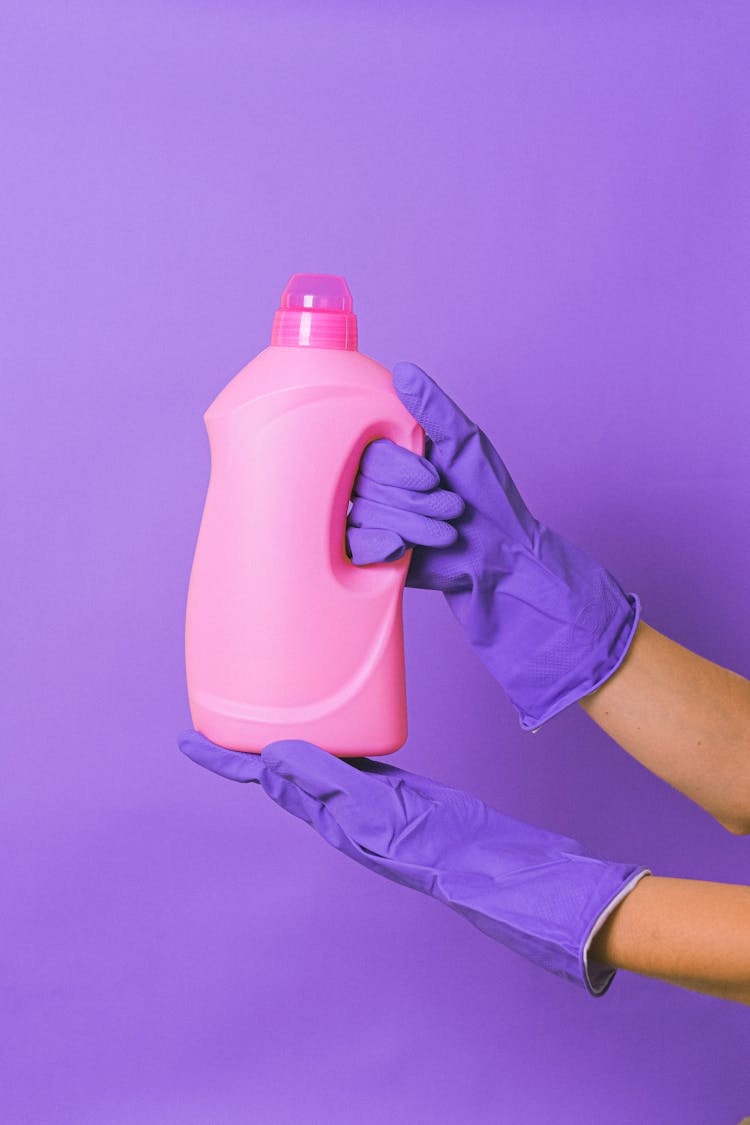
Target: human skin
[[687, 720], [690, 933]]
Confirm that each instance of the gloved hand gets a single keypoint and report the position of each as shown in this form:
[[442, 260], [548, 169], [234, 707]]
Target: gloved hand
[[536, 893], [550, 623]]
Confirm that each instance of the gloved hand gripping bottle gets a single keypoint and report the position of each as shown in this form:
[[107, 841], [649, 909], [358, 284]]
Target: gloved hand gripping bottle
[[285, 637]]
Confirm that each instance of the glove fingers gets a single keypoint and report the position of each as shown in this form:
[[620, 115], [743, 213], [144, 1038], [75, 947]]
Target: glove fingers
[[388, 463], [293, 799], [439, 503], [234, 764], [413, 528], [373, 545], [437, 413], [359, 801]]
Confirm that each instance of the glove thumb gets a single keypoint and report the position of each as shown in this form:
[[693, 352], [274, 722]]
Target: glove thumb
[[442, 420]]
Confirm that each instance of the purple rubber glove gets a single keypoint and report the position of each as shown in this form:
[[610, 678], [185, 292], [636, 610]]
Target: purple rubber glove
[[535, 892], [550, 623]]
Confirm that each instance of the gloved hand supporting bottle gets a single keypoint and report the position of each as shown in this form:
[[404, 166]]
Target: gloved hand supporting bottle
[[535, 892]]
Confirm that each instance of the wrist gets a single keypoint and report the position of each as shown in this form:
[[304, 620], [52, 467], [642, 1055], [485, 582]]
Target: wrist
[[597, 969]]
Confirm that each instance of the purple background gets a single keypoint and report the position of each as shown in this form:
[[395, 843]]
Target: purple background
[[545, 205]]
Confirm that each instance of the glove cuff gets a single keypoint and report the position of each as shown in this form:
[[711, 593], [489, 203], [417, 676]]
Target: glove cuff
[[550, 909], [594, 670], [597, 977]]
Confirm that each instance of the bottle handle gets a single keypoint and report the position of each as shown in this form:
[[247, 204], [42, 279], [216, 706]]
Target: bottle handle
[[375, 576]]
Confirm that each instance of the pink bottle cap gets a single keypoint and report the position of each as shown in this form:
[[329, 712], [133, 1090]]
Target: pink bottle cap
[[315, 311]]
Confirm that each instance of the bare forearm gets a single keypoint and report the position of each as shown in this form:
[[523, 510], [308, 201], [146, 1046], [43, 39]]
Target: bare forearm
[[689, 933], [685, 719]]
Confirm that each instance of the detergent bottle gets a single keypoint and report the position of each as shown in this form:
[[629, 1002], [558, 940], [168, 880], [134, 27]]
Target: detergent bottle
[[285, 637]]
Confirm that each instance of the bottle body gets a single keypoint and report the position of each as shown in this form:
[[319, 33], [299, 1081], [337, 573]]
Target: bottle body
[[285, 636]]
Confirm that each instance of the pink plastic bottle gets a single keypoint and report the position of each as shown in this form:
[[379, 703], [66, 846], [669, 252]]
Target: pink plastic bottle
[[285, 636]]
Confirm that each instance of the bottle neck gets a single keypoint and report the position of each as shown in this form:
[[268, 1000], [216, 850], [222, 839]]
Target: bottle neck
[[314, 328]]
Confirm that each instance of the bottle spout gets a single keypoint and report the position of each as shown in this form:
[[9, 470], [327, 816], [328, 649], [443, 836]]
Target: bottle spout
[[316, 310]]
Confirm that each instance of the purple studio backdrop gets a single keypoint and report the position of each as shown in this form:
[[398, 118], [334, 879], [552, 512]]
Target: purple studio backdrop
[[558, 194]]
